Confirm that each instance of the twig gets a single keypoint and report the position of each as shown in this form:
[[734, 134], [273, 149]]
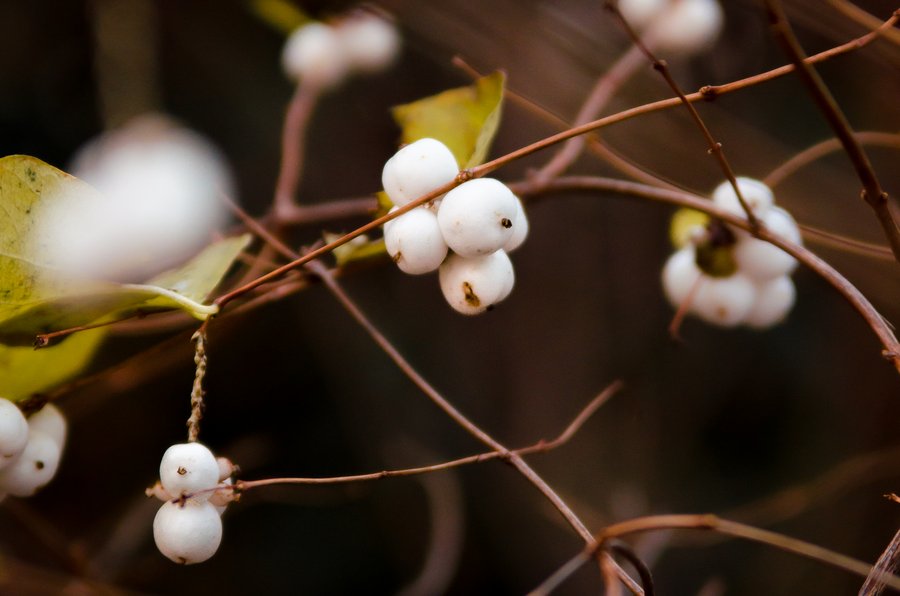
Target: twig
[[887, 564], [715, 147], [541, 446], [43, 340], [710, 523], [292, 143], [197, 392], [707, 92], [854, 12], [845, 243], [872, 192], [876, 322]]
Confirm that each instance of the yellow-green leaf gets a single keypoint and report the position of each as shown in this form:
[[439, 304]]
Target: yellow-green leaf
[[684, 222], [465, 119], [24, 370], [279, 14], [35, 298], [357, 249]]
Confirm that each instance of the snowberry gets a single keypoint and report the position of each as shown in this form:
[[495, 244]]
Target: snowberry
[[685, 27], [187, 468], [520, 230], [417, 169], [34, 468], [724, 301], [773, 302], [478, 217], [757, 195], [415, 242], [761, 260], [221, 498], [640, 13], [472, 285], [188, 532], [51, 422], [13, 432], [314, 52], [680, 275], [369, 41], [226, 468]]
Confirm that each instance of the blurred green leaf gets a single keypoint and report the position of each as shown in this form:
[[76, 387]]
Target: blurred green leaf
[[357, 249], [35, 298], [465, 119], [279, 14], [25, 371]]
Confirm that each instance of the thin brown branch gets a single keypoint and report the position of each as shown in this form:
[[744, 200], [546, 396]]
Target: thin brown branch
[[297, 215], [296, 119], [846, 243], [43, 340], [871, 22], [715, 147], [708, 522], [891, 347], [872, 192], [707, 92]]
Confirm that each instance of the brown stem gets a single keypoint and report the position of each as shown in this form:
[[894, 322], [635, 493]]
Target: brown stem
[[296, 119], [885, 567], [872, 192], [877, 323]]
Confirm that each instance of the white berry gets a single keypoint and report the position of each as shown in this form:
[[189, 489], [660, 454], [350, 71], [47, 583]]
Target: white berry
[[187, 468], [757, 195], [50, 421], [221, 498], [724, 301], [188, 532], [685, 27], [761, 260], [478, 217], [418, 169], [34, 468], [472, 285], [640, 13], [520, 230], [773, 302], [13, 432], [314, 53], [414, 241], [369, 42], [680, 275]]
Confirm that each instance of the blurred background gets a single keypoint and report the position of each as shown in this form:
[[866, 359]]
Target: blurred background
[[793, 429]]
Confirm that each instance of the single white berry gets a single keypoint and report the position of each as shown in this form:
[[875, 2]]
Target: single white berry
[[13, 432], [757, 195], [773, 302], [640, 13], [417, 169], [314, 53], [34, 468], [680, 275], [369, 42], [724, 301], [188, 532], [478, 217], [414, 241], [520, 230], [50, 421], [221, 498], [187, 468], [473, 284], [761, 260], [685, 27]]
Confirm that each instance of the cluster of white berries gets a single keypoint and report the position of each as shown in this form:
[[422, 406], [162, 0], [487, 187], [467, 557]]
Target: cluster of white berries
[[480, 221], [324, 54], [188, 527], [30, 449], [727, 277], [675, 27]]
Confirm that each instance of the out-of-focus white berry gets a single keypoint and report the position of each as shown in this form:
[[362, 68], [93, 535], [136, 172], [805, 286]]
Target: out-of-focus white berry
[[187, 468], [724, 301], [762, 261], [13, 432], [680, 275], [773, 302], [159, 202], [188, 532], [50, 421], [159, 492], [417, 169], [478, 217], [757, 195], [221, 498], [520, 229], [685, 27], [640, 13], [370, 42], [34, 468], [415, 242], [472, 285], [314, 52]]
